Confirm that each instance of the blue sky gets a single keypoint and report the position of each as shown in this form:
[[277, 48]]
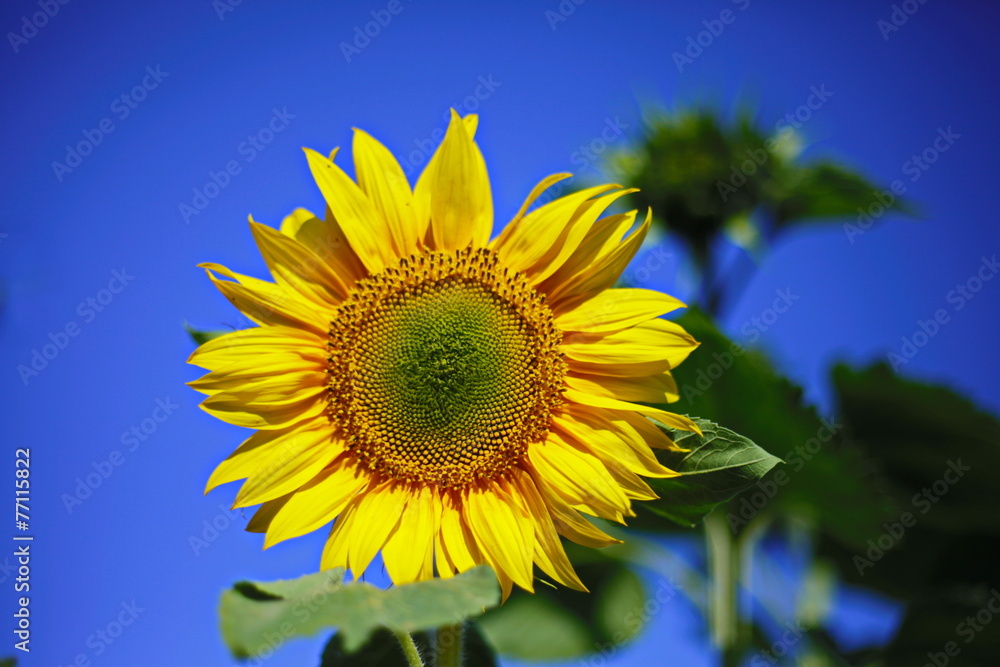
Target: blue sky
[[98, 257]]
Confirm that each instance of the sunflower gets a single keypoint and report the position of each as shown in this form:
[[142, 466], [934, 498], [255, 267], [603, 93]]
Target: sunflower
[[442, 397]]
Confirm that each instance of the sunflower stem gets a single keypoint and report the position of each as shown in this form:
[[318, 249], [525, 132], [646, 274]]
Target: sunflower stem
[[449, 645], [409, 649], [724, 564]]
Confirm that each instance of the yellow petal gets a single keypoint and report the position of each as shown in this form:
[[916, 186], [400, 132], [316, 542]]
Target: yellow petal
[[326, 240], [598, 431], [299, 349], [456, 539], [377, 516], [549, 552], [262, 518], [659, 388], [579, 477], [650, 342], [667, 418], [318, 502], [425, 184], [530, 237], [514, 225], [603, 273], [503, 533], [383, 181], [616, 309], [573, 234], [296, 267], [408, 552], [461, 201], [248, 457], [233, 409], [263, 385], [267, 303], [603, 237], [364, 228], [301, 455], [568, 521], [639, 429]]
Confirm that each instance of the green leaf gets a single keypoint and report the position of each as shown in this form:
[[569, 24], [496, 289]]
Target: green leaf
[[718, 465], [826, 190], [253, 611], [535, 627], [200, 336], [561, 624], [937, 454]]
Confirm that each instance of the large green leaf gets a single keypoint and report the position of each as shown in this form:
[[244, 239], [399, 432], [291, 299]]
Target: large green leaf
[[254, 614], [561, 624], [717, 466], [938, 455], [825, 190]]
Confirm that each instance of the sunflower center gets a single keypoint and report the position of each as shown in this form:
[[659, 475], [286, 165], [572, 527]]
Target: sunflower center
[[444, 368]]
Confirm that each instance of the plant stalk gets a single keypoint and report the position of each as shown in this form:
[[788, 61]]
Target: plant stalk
[[449, 645], [409, 649], [724, 566]]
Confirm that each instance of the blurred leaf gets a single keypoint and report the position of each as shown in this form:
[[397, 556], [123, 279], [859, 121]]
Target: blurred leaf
[[251, 612], [914, 430], [561, 624], [383, 649], [825, 190], [719, 465], [824, 480], [943, 565], [200, 336], [699, 173], [683, 167]]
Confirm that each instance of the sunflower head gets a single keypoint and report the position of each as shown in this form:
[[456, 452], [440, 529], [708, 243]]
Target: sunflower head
[[441, 397]]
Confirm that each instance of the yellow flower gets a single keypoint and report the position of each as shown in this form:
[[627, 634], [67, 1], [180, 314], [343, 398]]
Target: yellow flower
[[448, 399]]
